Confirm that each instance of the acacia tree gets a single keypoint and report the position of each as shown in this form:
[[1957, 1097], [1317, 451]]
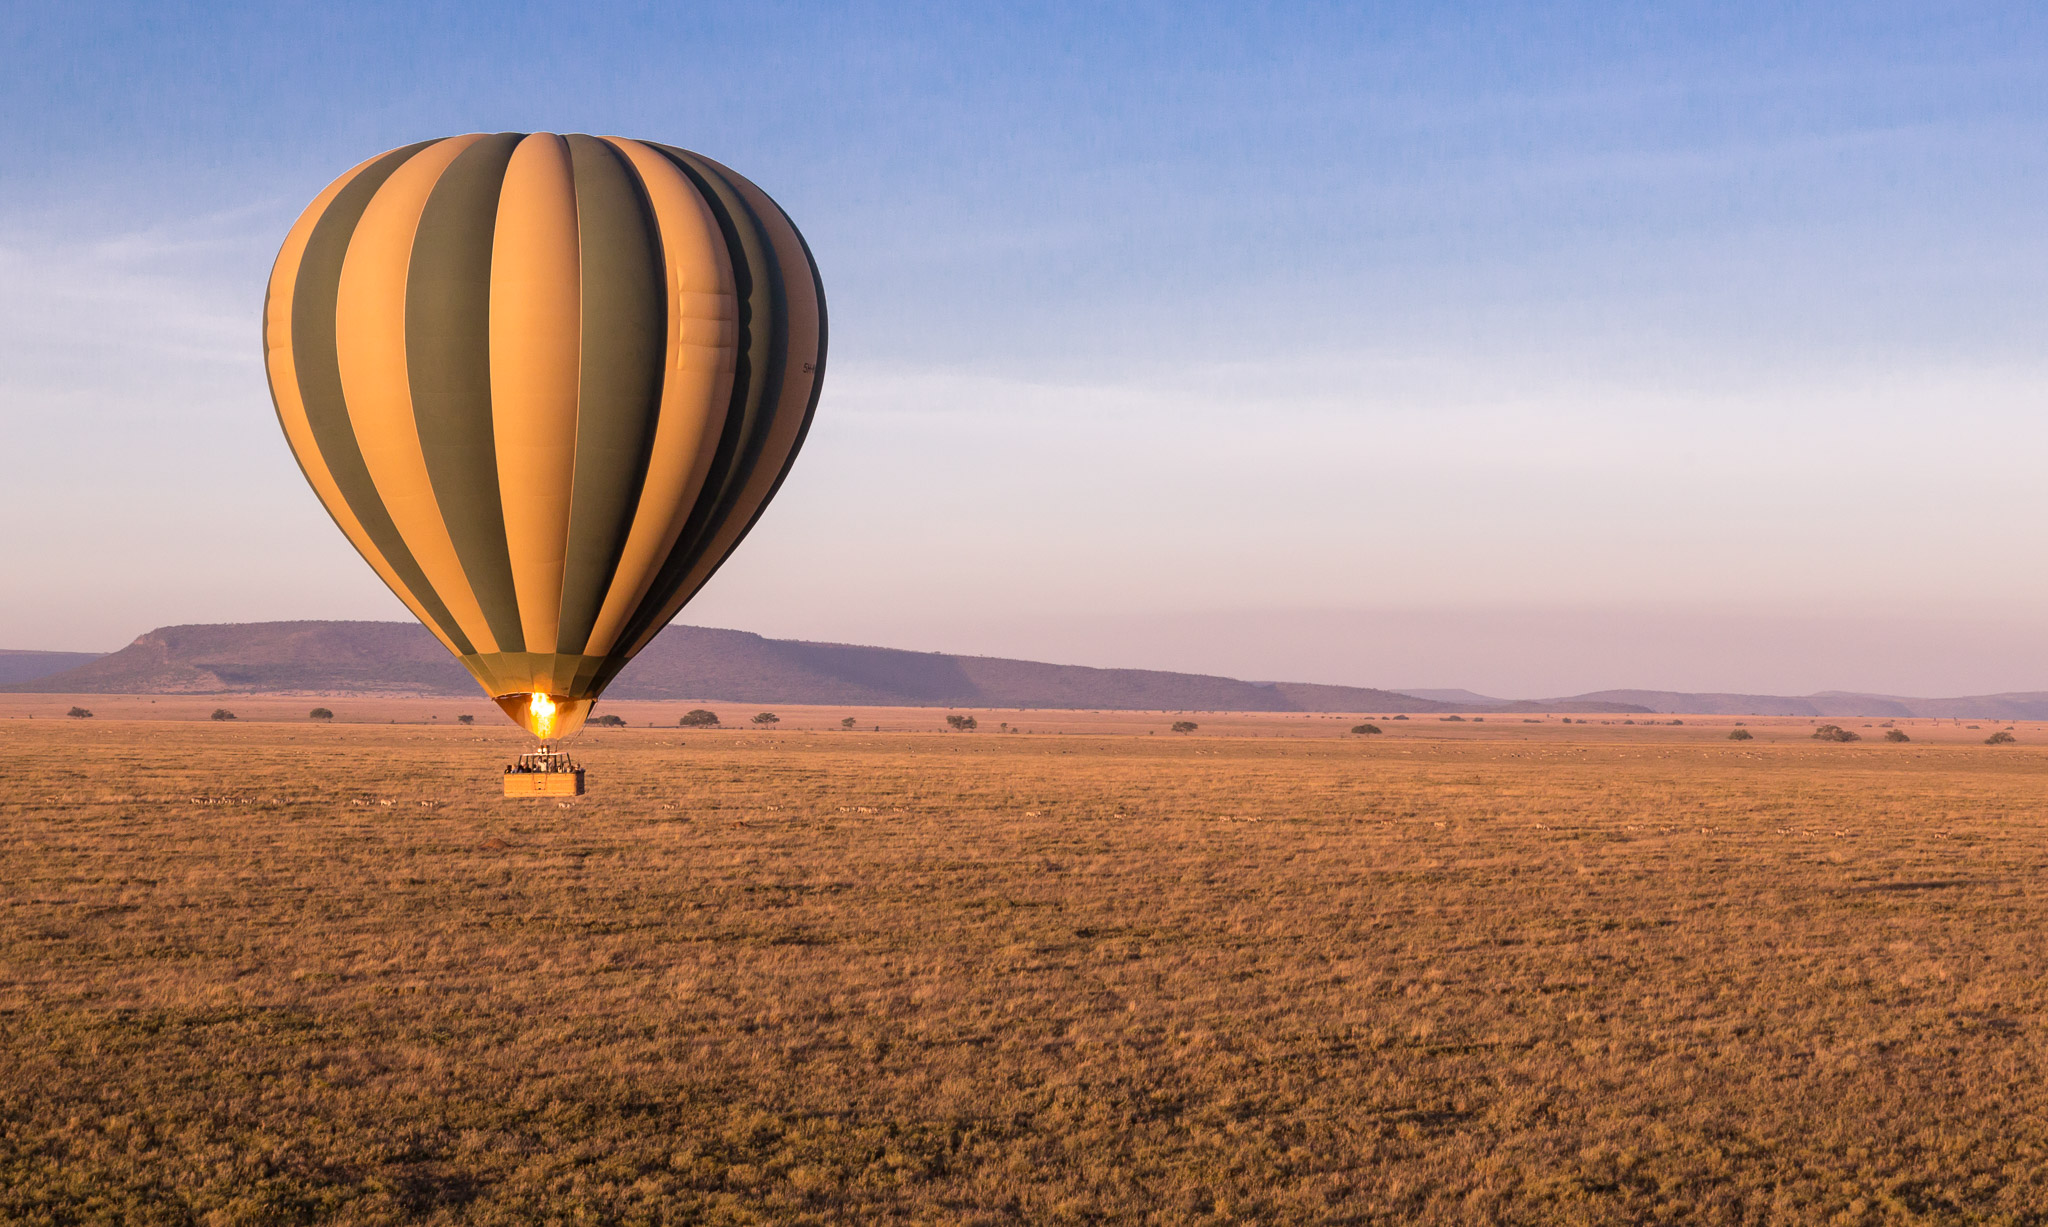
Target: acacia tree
[[79, 713], [767, 717], [699, 718], [846, 723], [320, 713], [965, 724], [1185, 726]]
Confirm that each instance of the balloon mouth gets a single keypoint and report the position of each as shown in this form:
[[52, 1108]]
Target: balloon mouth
[[550, 717]]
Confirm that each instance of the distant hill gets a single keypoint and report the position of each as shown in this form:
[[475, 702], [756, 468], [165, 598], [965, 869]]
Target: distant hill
[[255, 657], [1456, 696], [2025, 705], [19, 666], [683, 662], [692, 661], [695, 662]]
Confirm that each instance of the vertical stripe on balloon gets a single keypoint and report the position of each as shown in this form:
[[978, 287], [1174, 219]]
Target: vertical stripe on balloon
[[536, 334], [624, 340], [696, 386], [448, 365], [756, 281], [282, 368], [369, 330], [794, 386], [314, 346]]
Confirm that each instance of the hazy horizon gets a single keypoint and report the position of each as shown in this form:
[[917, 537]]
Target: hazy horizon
[[1445, 346], [1615, 650]]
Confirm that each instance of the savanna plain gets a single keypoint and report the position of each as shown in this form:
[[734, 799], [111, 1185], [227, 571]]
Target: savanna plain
[[273, 971]]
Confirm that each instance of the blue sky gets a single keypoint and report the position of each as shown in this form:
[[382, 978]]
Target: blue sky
[[1525, 349]]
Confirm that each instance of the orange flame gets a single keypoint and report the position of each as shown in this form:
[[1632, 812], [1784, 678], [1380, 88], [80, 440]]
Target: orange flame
[[546, 716]]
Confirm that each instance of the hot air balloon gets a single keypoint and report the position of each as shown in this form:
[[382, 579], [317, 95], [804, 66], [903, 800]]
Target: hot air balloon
[[545, 385]]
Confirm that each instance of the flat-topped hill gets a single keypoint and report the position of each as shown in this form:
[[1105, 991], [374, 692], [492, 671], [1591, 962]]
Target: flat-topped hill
[[696, 662], [683, 662]]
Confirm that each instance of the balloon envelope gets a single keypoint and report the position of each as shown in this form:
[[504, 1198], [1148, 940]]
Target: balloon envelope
[[545, 385]]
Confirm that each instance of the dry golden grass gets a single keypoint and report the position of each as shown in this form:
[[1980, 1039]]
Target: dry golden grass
[[1500, 972]]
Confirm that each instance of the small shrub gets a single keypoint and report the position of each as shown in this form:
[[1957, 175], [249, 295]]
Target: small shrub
[[609, 721], [1400, 717], [846, 723], [699, 718], [1185, 726], [465, 719], [1459, 719], [1896, 735], [964, 724], [1740, 735], [1365, 730], [2002, 737], [319, 713], [1835, 732], [221, 713], [767, 717], [79, 713]]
